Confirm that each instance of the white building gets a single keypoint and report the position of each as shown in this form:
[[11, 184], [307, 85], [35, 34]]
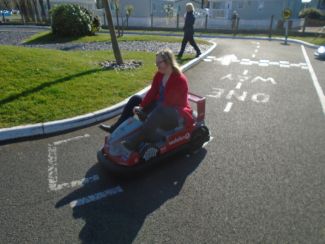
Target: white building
[[254, 14]]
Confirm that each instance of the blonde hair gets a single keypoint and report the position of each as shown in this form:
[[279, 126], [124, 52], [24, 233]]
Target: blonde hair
[[190, 7], [168, 57]]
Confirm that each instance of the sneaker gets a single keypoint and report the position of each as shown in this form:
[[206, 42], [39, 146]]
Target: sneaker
[[106, 128]]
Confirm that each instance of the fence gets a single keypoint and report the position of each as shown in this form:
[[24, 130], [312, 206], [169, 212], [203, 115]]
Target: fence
[[205, 21], [209, 23]]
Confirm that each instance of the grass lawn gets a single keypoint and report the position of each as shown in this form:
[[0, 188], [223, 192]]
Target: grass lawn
[[47, 37], [39, 85], [314, 40]]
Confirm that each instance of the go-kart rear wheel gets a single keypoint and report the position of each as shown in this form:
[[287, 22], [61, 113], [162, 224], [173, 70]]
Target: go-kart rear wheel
[[149, 152], [198, 137]]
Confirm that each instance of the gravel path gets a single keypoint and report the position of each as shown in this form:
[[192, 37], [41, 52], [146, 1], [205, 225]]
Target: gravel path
[[15, 38], [150, 46]]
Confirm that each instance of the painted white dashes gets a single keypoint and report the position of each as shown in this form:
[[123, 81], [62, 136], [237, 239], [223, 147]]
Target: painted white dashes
[[261, 63]]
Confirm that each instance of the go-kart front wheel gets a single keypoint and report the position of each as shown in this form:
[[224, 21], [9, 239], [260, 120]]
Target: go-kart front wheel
[[198, 137]]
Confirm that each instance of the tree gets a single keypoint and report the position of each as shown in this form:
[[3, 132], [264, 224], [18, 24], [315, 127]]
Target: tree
[[128, 11], [43, 13], [169, 11], [117, 11], [5, 4], [116, 49], [35, 6]]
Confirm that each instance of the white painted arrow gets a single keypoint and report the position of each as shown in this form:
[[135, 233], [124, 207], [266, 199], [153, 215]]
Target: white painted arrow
[[228, 59]]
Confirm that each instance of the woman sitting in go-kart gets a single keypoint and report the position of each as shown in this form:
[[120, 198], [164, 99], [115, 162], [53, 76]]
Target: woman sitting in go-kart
[[165, 103]]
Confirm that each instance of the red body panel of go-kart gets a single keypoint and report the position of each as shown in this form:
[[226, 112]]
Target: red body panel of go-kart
[[181, 138]]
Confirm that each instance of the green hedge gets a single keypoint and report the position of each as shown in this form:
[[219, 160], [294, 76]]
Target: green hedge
[[73, 20], [312, 13]]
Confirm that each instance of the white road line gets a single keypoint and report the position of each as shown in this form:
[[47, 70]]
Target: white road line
[[317, 86], [253, 55], [238, 85], [75, 183], [206, 143], [95, 197], [245, 72], [284, 62], [228, 107], [256, 50], [274, 63], [53, 167], [263, 64], [71, 139]]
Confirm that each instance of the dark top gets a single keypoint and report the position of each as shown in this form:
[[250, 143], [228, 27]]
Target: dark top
[[161, 92], [189, 22]]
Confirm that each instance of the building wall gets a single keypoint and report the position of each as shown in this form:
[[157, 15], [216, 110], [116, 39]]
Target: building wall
[[258, 9]]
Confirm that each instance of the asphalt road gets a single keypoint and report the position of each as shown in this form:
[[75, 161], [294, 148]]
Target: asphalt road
[[260, 180]]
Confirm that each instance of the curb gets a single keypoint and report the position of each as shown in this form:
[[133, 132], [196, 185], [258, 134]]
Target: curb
[[292, 40], [47, 128]]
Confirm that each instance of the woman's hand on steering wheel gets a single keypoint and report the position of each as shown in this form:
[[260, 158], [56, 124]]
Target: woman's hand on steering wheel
[[136, 109]]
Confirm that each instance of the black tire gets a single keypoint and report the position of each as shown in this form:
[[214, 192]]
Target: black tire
[[198, 137]]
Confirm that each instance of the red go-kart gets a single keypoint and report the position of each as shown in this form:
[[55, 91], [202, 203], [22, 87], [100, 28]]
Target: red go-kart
[[118, 159]]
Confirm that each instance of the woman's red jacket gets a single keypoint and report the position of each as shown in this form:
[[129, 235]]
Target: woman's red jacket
[[175, 95]]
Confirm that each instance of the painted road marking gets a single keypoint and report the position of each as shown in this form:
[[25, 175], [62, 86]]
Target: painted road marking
[[317, 86], [241, 95], [229, 59], [238, 85], [207, 60], [54, 185], [95, 197], [206, 143], [228, 107], [71, 139]]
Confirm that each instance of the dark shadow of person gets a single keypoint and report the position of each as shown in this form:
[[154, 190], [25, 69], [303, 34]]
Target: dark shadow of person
[[118, 218]]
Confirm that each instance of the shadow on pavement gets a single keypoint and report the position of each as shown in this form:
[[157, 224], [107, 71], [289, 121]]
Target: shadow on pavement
[[118, 219]]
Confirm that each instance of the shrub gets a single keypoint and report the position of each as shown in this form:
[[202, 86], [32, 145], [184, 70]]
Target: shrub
[[95, 24], [312, 13], [73, 20]]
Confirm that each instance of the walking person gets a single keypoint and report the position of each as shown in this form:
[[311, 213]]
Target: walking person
[[234, 22], [189, 31]]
